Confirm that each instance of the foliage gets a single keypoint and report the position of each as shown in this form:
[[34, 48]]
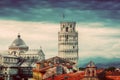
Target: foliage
[[110, 69], [81, 69]]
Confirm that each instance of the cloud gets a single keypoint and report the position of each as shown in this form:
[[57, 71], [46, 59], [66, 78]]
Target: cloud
[[81, 4], [105, 11], [44, 34], [34, 34], [90, 44]]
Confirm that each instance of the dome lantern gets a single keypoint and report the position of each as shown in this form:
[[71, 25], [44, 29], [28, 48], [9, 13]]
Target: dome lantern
[[18, 35]]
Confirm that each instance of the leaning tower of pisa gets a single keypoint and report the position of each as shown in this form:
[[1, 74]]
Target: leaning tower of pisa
[[68, 41]]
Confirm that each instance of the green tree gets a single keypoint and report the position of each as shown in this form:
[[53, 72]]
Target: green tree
[[111, 69]]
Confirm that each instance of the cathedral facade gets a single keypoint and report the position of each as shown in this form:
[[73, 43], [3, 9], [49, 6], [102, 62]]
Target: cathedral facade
[[19, 60], [68, 41]]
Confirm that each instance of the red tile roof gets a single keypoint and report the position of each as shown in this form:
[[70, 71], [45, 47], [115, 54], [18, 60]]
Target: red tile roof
[[70, 76]]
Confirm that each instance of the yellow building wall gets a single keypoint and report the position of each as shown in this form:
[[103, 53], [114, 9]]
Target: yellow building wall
[[37, 76]]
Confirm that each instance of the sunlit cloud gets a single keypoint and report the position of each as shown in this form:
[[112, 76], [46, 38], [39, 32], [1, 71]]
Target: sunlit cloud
[[94, 38]]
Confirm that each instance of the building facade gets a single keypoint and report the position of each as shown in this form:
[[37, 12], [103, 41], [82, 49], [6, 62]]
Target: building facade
[[18, 61], [91, 72], [68, 41], [52, 67]]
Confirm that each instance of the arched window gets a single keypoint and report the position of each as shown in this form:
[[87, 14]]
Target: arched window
[[66, 29], [14, 53], [93, 73], [71, 26], [63, 26], [88, 73], [73, 47], [28, 57], [67, 37], [73, 29]]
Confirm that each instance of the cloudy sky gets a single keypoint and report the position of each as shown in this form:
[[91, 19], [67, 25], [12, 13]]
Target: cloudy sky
[[98, 25]]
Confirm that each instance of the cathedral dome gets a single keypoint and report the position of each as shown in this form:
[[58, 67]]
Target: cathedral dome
[[18, 44]]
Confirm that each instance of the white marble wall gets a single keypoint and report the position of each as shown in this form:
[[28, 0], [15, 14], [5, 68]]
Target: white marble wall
[[68, 41]]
